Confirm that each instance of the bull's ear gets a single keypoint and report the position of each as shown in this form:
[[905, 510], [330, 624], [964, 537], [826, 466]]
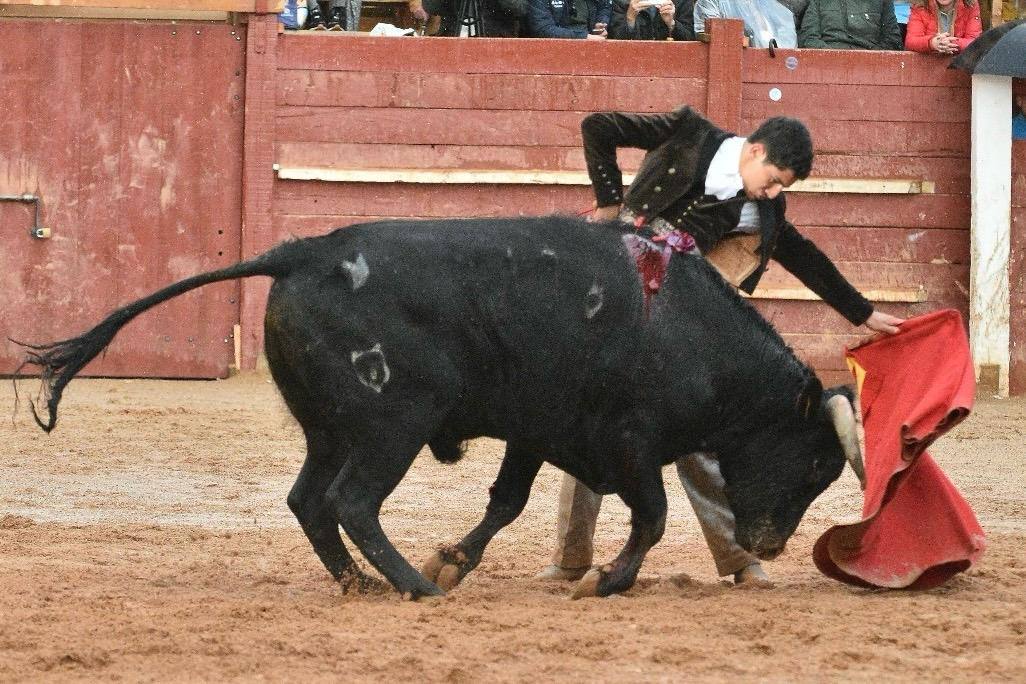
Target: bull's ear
[[809, 399]]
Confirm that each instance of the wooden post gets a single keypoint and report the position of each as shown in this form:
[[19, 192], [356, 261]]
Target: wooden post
[[723, 89], [257, 175], [995, 13], [990, 235]]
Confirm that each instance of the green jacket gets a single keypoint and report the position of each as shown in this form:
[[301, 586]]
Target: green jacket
[[850, 25]]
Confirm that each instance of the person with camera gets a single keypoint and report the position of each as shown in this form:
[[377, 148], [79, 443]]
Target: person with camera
[[652, 20], [726, 191]]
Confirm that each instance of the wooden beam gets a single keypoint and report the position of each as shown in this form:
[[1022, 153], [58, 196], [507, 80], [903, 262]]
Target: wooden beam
[[47, 12], [990, 232], [905, 295], [873, 186], [244, 6]]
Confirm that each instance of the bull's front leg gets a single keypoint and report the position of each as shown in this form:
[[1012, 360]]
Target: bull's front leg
[[645, 496], [508, 496]]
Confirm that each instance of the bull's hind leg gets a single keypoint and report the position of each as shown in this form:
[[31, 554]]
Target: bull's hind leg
[[646, 498], [369, 475], [307, 501], [507, 498]]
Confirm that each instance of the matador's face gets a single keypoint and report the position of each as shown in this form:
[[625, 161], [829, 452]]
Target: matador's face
[[761, 179]]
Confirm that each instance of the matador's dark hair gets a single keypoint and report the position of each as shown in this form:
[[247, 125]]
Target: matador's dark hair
[[788, 144]]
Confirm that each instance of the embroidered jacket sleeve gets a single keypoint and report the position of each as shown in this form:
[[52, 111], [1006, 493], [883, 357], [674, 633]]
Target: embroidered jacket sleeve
[[801, 257], [604, 132]]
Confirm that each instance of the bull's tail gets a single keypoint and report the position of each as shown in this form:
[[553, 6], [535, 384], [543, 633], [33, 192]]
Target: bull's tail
[[59, 361]]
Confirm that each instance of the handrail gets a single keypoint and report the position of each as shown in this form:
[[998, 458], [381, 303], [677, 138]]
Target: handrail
[[876, 186]]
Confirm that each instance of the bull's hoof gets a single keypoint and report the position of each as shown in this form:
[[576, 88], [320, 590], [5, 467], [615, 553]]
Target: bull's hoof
[[589, 584], [561, 574], [446, 567], [427, 591]]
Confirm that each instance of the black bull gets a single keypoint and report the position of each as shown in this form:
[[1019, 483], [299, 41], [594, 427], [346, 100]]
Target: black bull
[[385, 337]]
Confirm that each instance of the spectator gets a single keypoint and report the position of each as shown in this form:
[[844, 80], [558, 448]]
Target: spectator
[[342, 15], [764, 20], [797, 8], [944, 27], [850, 25], [499, 18], [568, 18], [652, 20], [1018, 117]]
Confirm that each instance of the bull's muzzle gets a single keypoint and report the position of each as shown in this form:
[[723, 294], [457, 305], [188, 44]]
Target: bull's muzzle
[[843, 417], [761, 539]]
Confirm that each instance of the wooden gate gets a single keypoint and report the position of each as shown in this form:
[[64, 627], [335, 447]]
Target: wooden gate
[[131, 135]]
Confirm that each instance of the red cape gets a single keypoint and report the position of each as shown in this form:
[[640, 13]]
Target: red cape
[[916, 529]]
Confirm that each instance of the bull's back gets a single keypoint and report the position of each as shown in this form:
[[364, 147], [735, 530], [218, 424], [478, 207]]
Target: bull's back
[[511, 327]]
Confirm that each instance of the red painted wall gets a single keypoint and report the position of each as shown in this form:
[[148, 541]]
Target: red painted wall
[[358, 103], [130, 132], [156, 161]]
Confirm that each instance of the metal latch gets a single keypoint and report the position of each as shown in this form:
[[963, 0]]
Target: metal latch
[[37, 231]]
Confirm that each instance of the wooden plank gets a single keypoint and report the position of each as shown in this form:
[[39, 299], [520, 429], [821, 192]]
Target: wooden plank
[[258, 178], [916, 211], [627, 58], [851, 67], [50, 12], [900, 245], [925, 105], [950, 175], [356, 199], [486, 91], [878, 211], [539, 177], [891, 138], [723, 100], [428, 126], [1018, 190], [940, 282], [246, 6], [905, 295], [306, 225], [384, 125], [817, 318], [400, 155]]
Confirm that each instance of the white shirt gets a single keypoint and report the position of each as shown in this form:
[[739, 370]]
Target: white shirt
[[724, 181]]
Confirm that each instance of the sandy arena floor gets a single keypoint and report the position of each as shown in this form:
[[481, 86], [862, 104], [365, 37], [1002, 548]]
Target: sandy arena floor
[[148, 539]]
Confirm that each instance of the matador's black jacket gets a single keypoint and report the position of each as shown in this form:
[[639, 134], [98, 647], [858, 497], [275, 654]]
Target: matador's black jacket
[[671, 185]]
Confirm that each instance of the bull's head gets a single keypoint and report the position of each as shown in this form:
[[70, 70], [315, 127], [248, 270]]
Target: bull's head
[[778, 471]]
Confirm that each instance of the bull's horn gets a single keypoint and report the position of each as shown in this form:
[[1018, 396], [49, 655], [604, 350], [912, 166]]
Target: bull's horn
[[843, 418]]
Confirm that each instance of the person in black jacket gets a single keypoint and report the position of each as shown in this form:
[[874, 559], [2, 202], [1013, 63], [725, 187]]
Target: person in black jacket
[[499, 18], [652, 20], [568, 18], [721, 189]]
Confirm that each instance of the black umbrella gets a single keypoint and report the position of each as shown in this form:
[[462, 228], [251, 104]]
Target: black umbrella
[[1000, 51]]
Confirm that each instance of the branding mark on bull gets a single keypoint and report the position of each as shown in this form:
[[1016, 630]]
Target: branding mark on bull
[[358, 271], [371, 368], [594, 300]]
